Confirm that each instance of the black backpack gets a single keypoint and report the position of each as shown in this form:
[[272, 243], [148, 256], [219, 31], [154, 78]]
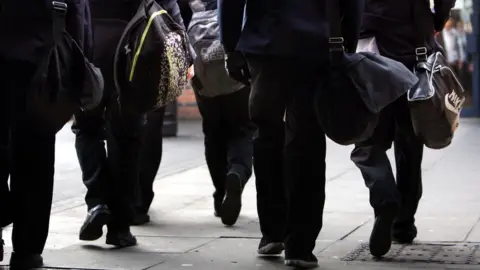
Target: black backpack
[[65, 81], [151, 60], [204, 35]]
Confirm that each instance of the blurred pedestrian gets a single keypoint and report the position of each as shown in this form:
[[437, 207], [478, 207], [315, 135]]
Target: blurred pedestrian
[[27, 36], [112, 175], [395, 28], [450, 38], [152, 141], [223, 104], [287, 51]]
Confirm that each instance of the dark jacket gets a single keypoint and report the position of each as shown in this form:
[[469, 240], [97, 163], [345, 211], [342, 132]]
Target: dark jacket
[[125, 9], [26, 27], [396, 29], [185, 11], [285, 27]]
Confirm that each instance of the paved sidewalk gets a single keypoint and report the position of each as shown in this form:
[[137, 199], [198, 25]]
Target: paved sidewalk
[[184, 234]]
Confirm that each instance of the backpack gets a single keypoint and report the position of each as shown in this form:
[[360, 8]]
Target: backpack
[[151, 60], [209, 64]]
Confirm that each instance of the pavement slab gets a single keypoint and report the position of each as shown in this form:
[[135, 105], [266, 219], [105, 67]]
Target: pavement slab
[[184, 234], [98, 258]]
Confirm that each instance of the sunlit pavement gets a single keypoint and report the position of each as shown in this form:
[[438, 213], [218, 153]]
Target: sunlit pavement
[[184, 234]]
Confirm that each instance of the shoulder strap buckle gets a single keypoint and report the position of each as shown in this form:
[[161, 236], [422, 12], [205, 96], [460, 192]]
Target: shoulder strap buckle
[[59, 6], [421, 54], [336, 44]]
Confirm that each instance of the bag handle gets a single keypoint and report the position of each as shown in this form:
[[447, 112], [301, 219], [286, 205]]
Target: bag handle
[[197, 5], [335, 40], [421, 52], [59, 9]]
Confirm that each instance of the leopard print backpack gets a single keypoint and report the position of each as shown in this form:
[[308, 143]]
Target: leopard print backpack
[[151, 60]]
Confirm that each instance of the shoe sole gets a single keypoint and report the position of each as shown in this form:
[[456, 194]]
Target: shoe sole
[[24, 263], [301, 264], [381, 237], [93, 228], [122, 243], [271, 249], [232, 204]]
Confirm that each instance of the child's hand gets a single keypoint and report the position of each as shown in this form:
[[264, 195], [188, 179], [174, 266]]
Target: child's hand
[[190, 72]]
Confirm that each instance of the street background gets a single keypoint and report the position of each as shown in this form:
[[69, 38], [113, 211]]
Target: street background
[[184, 234]]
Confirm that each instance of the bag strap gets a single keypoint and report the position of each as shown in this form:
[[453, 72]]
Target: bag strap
[[421, 52], [139, 14], [59, 11], [335, 40]]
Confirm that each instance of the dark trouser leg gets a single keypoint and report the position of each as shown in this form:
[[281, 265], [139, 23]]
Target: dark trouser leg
[[90, 134], [32, 171], [215, 140], [150, 158], [408, 156], [240, 133], [5, 200], [305, 151], [267, 108], [123, 142], [372, 160]]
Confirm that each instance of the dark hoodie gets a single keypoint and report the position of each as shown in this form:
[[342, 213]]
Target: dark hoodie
[[392, 23]]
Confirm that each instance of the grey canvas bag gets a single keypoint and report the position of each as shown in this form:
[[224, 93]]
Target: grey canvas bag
[[357, 87], [209, 64]]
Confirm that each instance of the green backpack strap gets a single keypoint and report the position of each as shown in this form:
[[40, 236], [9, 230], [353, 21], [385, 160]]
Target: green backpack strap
[[139, 15]]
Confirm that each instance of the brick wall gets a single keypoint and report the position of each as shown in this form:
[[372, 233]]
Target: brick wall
[[187, 105]]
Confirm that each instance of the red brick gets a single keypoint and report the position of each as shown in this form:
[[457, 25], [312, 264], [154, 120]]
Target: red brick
[[187, 105]]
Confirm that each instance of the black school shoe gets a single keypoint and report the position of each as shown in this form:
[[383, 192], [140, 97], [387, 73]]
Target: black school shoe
[[92, 227], [381, 237], [305, 262], [232, 204], [404, 236], [121, 238], [270, 248], [25, 261]]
